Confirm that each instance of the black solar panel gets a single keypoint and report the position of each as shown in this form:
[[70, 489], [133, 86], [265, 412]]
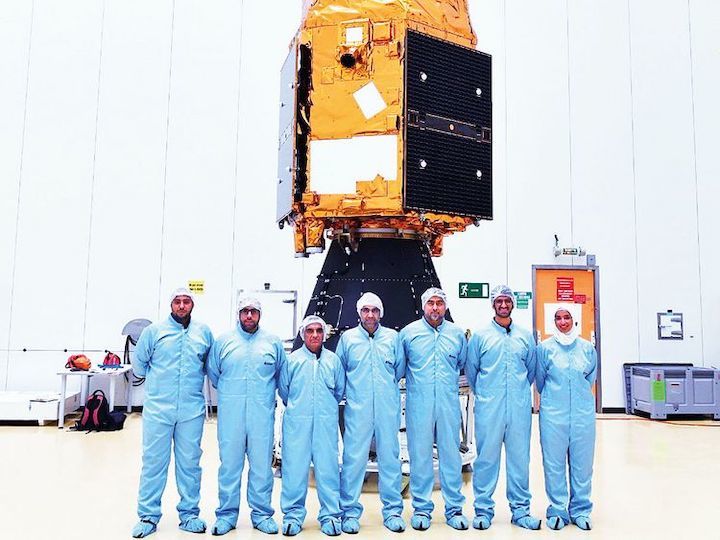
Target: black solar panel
[[448, 128]]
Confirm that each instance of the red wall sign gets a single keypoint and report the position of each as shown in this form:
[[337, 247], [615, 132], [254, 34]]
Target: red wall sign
[[565, 289]]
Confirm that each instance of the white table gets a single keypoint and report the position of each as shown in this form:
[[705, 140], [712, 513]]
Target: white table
[[112, 373]]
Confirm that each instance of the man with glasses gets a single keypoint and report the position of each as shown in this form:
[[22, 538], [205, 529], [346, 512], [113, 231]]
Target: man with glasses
[[244, 365], [500, 369]]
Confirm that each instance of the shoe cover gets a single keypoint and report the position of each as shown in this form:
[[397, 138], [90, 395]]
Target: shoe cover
[[481, 523], [221, 527], [193, 525], [395, 524], [290, 528], [268, 526], [458, 522], [331, 527], [583, 522], [350, 525], [528, 522], [420, 522], [143, 529]]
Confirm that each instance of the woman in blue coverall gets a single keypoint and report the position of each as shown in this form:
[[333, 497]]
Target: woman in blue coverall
[[566, 371]]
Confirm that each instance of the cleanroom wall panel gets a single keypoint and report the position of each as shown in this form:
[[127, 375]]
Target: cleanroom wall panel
[[56, 180], [200, 175], [261, 252], [666, 192], [479, 254], [15, 28], [704, 24], [538, 153], [603, 211], [124, 262], [37, 371]]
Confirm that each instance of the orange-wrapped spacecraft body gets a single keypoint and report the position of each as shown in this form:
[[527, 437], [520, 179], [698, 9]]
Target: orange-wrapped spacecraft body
[[385, 124]]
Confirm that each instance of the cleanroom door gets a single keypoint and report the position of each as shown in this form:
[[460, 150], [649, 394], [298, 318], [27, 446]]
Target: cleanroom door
[[576, 286]]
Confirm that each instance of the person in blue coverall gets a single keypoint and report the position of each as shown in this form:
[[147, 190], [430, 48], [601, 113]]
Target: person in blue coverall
[[500, 370], [373, 366], [434, 350], [171, 355], [566, 371], [312, 384], [244, 365]]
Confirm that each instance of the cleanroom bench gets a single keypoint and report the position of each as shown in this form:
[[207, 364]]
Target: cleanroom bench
[[112, 373]]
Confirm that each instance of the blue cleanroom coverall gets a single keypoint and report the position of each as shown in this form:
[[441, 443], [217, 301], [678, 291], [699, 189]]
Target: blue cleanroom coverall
[[434, 359], [500, 370], [565, 376], [311, 390], [245, 369], [373, 367], [172, 360]]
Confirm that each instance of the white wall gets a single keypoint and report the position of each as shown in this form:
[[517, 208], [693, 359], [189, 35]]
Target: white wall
[[704, 22], [138, 151], [15, 29]]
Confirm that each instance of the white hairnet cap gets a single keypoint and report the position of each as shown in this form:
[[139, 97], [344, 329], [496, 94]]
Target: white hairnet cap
[[501, 290], [249, 302], [370, 299], [563, 307], [433, 291], [181, 291], [313, 319]]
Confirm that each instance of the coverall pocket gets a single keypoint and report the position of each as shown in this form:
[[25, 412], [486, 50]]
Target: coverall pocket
[[390, 366]]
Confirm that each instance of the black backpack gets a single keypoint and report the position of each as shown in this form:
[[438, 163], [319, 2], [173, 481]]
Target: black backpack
[[97, 415]]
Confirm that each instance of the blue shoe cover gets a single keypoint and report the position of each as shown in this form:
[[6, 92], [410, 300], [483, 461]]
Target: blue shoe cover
[[143, 528], [350, 525], [331, 527], [555, 523], [268, 526], [420, 522], [459, 522], [528, 522], [395, 524], [193, 525], [583, 522], [290, 528], [481, 523], [221, 527]]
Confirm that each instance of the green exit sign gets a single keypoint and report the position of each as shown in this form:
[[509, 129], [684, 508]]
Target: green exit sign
[[473, 290]]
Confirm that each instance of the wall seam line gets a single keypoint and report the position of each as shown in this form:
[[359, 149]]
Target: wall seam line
[[233, 284], [165, 162], [93, 177], [634, 176], [570, 154], [507, 160], [697, 184], [19, 195]]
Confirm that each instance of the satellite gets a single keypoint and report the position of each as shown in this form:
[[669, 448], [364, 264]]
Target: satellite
[[385, 147]]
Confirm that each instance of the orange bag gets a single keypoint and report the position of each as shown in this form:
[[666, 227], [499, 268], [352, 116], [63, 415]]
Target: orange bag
[[78, 362]]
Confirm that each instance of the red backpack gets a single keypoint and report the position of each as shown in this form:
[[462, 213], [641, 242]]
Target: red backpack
[[97, 415], [111, 360]]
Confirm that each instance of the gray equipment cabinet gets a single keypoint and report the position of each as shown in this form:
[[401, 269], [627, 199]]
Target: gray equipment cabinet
[[663, 390]]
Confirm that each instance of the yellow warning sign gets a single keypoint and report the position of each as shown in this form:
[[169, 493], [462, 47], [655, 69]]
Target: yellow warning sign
[[197, 286]]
